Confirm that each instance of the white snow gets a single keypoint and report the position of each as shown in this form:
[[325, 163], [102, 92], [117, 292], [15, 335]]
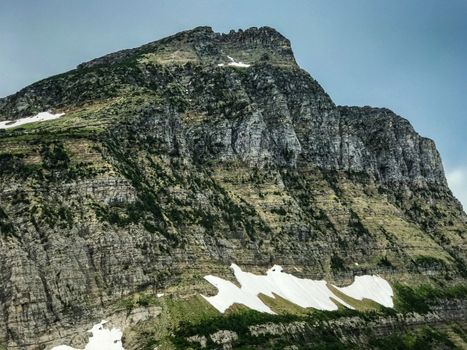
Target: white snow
[[234, 63], [102, 338], [370, 287], [303, 292], [229, 294], [40, 117]]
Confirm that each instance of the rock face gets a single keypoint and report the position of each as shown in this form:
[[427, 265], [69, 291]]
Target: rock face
[[166, 166]]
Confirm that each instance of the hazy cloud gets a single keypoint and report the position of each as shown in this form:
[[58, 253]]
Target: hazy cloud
[[457, 179]]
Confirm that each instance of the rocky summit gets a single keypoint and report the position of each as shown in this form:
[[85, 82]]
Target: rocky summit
[[162, 164]]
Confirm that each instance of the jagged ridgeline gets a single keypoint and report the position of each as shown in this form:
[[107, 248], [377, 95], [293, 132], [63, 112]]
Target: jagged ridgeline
[[177, 158]]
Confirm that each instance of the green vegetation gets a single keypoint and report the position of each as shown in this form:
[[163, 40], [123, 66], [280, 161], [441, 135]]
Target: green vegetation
[[54, 156], [282, 306], [315, 330], [419, 339], [430, 262], [360, 305], [420, 299], [6, 227], [137, 300], [384, 262], [174, 311], [14, 165], [241, 320], [337, 263]]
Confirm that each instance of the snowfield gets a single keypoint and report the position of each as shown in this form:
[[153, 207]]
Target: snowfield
[[234, 63], [303, 292], [40, 117], [101, 339], [370, 287]]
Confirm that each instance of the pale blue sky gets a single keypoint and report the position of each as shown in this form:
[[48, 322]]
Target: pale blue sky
[[410, 56]]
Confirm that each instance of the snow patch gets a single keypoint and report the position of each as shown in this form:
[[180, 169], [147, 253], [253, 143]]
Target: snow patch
[[234, 63], [102, 338], [40, 117], [303, 292], [370, 287], [229, 294]]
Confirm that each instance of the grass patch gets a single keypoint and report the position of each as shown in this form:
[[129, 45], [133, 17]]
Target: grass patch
[[282, 306], [360, 305]]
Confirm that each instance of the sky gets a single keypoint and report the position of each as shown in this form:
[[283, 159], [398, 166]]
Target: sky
[[409, 56]]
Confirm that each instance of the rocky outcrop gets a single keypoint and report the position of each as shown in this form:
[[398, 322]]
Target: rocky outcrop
[[388, 148], [346, 331], [166, 166]]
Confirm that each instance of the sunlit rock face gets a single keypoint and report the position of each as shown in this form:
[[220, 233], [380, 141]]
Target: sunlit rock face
[[302, 292]]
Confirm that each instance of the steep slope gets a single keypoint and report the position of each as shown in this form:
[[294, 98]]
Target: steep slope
[[167, 166]]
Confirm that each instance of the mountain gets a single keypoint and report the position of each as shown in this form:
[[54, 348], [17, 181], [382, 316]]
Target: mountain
[[158, 165]]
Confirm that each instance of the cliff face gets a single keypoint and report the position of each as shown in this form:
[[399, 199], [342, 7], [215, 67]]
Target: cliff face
[[168, 164]]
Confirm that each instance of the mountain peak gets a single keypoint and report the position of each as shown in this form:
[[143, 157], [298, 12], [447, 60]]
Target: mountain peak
[[203, 45], [264, 32]]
